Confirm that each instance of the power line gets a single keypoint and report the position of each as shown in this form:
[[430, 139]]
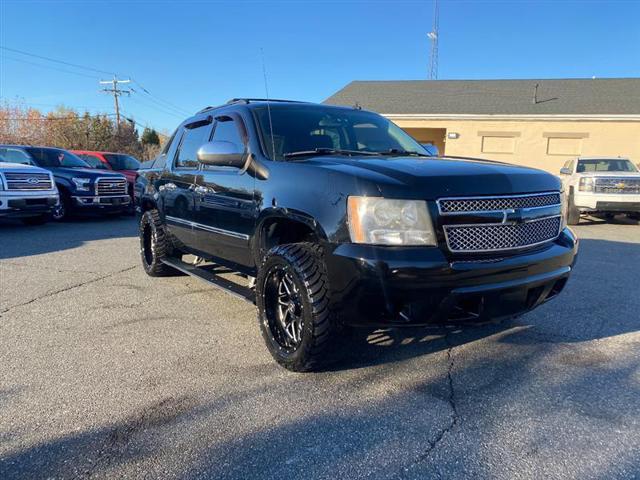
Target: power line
[[48, 66], [158, 103], [175, 107], [157, 107], [76, 65], [163, 107]]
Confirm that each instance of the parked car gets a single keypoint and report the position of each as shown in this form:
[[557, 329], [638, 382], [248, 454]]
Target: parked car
[[81, 188], [119, 162], [601, 186], [338, 217], [26, 192]]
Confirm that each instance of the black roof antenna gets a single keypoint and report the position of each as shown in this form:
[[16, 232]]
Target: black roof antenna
[[266, 88]]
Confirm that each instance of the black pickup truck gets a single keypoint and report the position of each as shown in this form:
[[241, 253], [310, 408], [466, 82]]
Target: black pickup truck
[[337, 217]]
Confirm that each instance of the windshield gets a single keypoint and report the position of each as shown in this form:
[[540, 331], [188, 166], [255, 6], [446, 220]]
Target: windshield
[[305, 128], [94, 162], [606, 165], [14, 155], [120, 161], [55, 157]]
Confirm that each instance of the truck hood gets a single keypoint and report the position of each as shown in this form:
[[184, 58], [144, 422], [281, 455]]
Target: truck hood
[[20, 166], [83, 172], [438, 177]]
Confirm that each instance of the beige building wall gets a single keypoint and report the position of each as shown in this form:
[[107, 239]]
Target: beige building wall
[[540, 143]]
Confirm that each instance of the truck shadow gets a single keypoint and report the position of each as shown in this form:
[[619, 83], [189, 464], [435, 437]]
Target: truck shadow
[[18, 240]]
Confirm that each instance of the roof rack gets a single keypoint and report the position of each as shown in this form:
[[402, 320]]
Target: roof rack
[[249, 100]]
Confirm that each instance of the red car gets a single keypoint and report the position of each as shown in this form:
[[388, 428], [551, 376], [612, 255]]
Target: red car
[[119, 162]]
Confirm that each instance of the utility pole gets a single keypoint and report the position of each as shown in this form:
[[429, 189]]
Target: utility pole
[[116, 93], [433, 37]]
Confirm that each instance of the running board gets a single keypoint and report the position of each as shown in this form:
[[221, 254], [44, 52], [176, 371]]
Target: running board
[[209, 276]]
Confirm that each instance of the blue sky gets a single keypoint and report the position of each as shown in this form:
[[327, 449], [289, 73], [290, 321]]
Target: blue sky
[[197, 53]]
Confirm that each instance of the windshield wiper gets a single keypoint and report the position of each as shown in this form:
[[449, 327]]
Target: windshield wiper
[[327, 151], [398, 152]]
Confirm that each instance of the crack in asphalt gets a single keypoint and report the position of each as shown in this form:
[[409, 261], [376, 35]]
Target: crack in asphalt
[[66, 289], [48, 268], [454, 417]]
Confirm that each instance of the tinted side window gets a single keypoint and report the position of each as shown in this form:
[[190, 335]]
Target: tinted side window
[[227, 131], [192, 140]]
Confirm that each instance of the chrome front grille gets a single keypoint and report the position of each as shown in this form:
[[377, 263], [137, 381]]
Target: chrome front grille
[[499, 237], [500, 223], [28, 181], [111, 187], [617, 185], [453, 206]]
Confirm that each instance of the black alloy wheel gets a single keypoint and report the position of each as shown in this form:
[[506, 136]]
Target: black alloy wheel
[[292, 297], [283, 308]]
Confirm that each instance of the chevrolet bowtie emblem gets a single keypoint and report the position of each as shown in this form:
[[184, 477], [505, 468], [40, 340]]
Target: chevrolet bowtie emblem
[[507, 215], [620, 185]]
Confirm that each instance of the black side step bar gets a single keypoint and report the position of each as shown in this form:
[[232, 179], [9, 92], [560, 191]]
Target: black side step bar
[[207, 274]]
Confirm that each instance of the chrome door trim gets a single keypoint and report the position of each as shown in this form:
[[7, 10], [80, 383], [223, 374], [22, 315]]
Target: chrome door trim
[[208, 228]]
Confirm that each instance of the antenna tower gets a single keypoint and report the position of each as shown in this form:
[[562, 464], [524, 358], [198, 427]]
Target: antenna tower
[[433, 38]]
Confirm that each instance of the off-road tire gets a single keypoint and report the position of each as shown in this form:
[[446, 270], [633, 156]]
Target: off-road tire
[[38, 220], [573, 214], [155, 246], [304, 261]]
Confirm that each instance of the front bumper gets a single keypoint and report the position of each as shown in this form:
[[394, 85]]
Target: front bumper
[[607, 202], [27, 204], [391, 286], [105, 203]]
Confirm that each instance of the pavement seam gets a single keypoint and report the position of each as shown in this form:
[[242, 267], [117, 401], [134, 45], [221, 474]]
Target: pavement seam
[[455, 416], [66, 289]]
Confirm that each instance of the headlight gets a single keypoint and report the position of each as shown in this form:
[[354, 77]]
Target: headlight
[[380, 221], [563, 209], [586, 184], [1, 183], [82, 183]]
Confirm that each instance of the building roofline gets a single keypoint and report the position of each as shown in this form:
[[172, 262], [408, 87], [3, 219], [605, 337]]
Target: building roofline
[[516, 116]]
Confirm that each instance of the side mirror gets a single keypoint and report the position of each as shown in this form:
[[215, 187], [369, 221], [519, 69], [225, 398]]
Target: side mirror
[[565, 171], [222, 154]]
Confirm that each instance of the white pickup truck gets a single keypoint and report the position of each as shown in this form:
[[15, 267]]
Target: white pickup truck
[[26, 192], [601, 186]]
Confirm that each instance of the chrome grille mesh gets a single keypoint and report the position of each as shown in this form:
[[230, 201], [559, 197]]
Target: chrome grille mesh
[[28, 181], [108, 186], [479, 204], [617, 185], [492, 237]]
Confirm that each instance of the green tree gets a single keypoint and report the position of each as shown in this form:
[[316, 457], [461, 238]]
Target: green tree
[[150, 137]]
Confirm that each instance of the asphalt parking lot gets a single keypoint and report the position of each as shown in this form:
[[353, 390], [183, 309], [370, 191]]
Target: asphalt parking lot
[[105, 372]]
